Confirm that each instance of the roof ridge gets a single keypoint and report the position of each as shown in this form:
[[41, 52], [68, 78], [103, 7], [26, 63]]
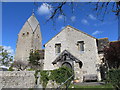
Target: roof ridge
[[81, 31], [33, 22], [115, 41], [102, 38]]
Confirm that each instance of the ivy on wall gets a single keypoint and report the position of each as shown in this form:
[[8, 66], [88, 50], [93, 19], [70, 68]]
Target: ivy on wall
[[58, 75]]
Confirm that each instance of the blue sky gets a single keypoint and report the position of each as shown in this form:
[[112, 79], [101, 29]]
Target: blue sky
[[84, 18]]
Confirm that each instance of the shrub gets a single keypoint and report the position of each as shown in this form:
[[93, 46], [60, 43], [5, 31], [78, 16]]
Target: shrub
[[112, 55], [35, 60], [44, 78], [61, 75], [10, 69], [114, 77], [58, 75]]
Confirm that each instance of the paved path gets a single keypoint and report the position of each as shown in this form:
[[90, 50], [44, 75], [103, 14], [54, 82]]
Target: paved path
[[90, 83]]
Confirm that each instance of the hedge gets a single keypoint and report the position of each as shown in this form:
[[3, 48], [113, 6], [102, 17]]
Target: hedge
[[114, 77]]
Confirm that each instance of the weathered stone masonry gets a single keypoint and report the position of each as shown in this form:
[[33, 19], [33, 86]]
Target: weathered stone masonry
[[17, 79]]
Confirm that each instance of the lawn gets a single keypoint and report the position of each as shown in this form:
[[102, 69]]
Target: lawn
[[100, 87]]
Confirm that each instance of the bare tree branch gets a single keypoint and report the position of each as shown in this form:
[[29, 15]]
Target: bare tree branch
[[57, 10], [101, 8]]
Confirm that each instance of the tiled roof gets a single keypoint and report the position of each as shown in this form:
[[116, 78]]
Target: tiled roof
[[33, 22]]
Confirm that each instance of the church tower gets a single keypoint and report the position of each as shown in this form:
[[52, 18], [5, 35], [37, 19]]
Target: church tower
[[29, 38]]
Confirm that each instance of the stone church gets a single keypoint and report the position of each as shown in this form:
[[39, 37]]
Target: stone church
[[71, 47], [29, 38]]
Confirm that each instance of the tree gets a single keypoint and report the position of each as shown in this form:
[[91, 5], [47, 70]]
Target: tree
[[112, 55], [101, 8], [5, 57], [35, 59]]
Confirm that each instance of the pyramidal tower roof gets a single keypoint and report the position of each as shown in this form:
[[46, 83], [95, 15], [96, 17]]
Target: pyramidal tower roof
[[33, 21]]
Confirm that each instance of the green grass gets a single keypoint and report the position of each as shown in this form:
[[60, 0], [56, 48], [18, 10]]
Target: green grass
[[30, 69], [97, 86]]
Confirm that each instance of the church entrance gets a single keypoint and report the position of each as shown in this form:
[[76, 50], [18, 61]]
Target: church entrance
[[67, 59], [66, 64], [70, 61]]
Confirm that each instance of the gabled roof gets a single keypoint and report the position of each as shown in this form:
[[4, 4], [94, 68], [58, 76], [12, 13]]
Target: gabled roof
[[81, 31], [74, 29], [62, 57], [33, 22]]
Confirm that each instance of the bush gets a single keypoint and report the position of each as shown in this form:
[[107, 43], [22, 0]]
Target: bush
[[61, 75], [58, 75], [11, 69], [35, 60], [114, 77], [44, 78]]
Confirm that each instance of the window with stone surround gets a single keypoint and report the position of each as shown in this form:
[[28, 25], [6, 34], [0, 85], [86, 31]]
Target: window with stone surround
[[57, 48], [80, 45], [27, 33], [23, 34]]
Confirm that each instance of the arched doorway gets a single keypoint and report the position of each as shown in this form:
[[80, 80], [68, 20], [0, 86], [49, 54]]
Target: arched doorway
[[67, 64]]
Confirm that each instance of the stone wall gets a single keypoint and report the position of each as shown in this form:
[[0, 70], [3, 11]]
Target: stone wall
[[17, 79], [68, 38]]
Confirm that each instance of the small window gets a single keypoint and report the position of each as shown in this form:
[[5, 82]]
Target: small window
[[57, 48], [80, 45], [37, 35], [23, 34], [27, 33]]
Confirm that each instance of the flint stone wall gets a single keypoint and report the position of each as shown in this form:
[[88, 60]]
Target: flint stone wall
[[17, 79], [68, 38]]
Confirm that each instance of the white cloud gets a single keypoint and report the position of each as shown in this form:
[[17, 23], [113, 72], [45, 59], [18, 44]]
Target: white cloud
[[62, 27], [73, 18], [84, 21], [44, 9], [60, 17], [9, 49], [101, 24], [96, 32], [92, 17]]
